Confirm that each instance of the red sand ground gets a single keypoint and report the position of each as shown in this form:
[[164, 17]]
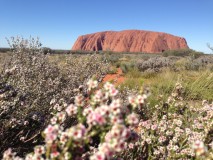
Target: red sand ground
[[116, 78]]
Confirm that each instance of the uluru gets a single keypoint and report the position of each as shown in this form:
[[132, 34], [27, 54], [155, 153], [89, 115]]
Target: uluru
[[130, 41]]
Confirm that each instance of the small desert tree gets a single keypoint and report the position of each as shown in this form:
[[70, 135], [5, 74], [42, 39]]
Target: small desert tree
[[210, 47]]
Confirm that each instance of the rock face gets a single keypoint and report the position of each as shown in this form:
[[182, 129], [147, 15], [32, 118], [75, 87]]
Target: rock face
[[129, 41]]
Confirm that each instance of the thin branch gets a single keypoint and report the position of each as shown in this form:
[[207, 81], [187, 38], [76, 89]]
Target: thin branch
[[208, 45], [32, 137]]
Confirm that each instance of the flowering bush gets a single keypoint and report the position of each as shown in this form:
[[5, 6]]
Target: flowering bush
[[29, 82], [103, 129], [175, 130], [107, 129], [156, 63]]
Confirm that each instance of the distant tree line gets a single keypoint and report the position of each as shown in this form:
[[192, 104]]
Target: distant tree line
[[47, 50], [4, 50]]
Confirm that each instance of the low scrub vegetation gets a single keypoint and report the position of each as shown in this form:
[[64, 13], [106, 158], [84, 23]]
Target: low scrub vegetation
[[56, 106], [182, 52], [107, 129], [29, 82]]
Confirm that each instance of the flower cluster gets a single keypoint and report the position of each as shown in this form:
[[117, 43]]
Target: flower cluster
[[108, 129], [103, 124], [115, 142], [34, 85], [177, 131]]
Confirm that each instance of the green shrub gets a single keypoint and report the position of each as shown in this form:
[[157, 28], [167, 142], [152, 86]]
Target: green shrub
[[200, 88], [112, 70], [132, 84], [182, 53], [127, 66], [198, 84], [133, 73]]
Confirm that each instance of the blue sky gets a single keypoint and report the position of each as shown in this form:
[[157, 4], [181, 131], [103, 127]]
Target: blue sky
[[58, 23]]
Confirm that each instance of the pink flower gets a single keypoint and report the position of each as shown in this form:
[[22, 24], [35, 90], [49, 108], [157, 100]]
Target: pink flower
[[54, 154], [199, 147], [57, 107], [120, 131], [140, 99], [61, 116], [79, 100], [154, 127], [98, 96], [110, 89], [125, 133], [175, 148], [146, 124], [120, 146], [106, 149], [77, 132], [87, 111], [188, 131], [148, 140], [131, 145], [51, 133], [115, 107], [53, 120], [162, 139], [107, 86], [113, 92], [39, 150], [132, 119], [133, 101], [96, 117], [104, 110], [29, 157], [63, 137], [98, 156], [8, 154], [178, 122], [116, 119], [92, 84], [72, 110], [156, 152]]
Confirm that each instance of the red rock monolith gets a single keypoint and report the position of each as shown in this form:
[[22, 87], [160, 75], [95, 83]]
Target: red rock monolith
[[130, 41]]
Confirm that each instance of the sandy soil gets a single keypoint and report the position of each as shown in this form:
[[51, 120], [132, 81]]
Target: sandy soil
[[116, 78]]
